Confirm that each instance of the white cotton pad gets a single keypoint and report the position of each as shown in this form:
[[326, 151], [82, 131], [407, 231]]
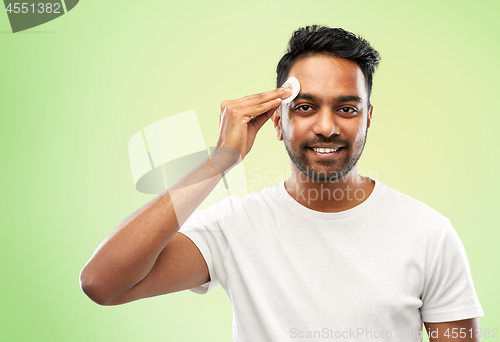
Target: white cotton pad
[[295, 89]]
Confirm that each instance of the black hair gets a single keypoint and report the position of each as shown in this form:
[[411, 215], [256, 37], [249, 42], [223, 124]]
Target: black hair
[[317, 39]]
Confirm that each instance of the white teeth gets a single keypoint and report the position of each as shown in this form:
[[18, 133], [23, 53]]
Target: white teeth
[[324, 150]]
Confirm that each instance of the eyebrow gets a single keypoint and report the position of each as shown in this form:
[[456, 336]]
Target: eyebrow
[[343, 98]]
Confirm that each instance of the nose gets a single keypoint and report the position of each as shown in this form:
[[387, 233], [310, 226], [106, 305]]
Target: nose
[[325, 124]]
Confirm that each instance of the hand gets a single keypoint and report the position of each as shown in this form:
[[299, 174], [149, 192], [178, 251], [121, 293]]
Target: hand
[[241, 119]]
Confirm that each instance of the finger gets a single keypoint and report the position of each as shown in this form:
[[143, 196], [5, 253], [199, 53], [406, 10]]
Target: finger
[[261, 108], [282, 92], [260, 120]]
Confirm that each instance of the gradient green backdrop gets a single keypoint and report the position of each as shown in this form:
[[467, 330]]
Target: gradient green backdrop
[[73, 92]]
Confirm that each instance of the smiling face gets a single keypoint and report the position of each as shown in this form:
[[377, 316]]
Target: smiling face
[[331, 110]]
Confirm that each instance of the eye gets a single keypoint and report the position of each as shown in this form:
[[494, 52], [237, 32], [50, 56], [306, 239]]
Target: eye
[[303, 108], [347, 111]]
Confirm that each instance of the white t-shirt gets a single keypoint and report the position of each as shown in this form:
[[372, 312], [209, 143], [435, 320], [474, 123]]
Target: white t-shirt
[[373, 272]]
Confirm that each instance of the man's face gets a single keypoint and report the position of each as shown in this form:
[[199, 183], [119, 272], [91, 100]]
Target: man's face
[[331, 110]]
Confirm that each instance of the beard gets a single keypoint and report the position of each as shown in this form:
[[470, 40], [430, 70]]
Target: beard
[[328, 170]]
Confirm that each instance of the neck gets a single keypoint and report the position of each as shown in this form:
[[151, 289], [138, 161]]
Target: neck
[[329, 196]]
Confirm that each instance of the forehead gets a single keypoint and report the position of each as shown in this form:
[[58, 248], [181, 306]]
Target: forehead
[[328, 76]]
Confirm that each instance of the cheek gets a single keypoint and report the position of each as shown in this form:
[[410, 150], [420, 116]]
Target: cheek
[[288, 128], [360, 136], [358, 133], [295, 132], [360, 128]]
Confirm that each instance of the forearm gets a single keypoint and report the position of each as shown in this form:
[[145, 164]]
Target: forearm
[[465, 330], [130, 251]]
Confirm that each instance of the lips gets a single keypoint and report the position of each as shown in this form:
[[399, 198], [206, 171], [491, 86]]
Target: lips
[[327, 146], [326, 155]]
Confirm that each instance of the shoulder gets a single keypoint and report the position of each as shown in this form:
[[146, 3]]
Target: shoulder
[[240, 205], [409, 210]]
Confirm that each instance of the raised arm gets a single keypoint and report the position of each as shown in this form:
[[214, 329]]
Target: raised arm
[[144, 255]]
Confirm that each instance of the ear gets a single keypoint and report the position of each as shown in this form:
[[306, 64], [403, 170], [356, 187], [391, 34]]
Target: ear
[[369, 116], [277, 122]]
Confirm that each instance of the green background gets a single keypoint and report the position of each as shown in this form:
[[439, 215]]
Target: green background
[[74, 90]]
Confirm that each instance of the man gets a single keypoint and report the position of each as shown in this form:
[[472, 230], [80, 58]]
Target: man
[[325, 254]]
